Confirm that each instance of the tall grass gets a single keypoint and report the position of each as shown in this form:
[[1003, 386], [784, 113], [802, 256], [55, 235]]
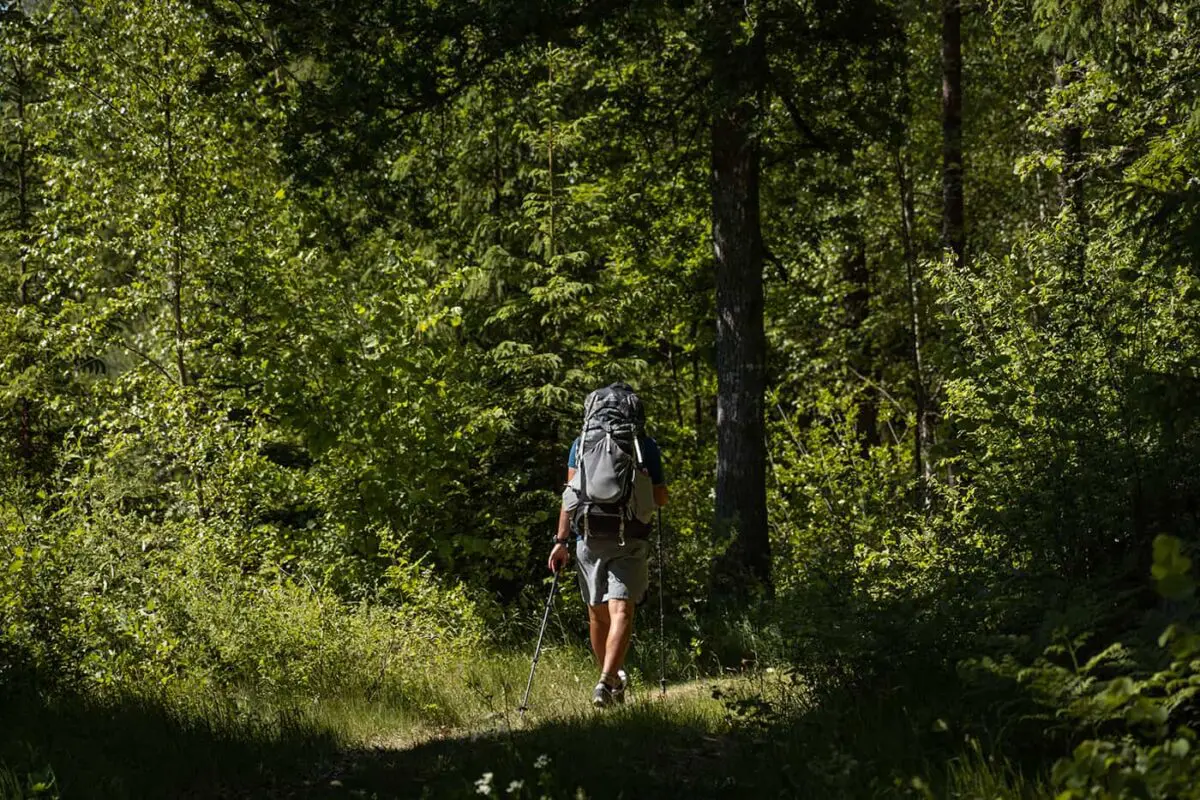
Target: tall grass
[[14, 786]]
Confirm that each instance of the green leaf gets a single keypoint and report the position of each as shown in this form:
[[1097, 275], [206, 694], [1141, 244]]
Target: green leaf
[[1171, 568]]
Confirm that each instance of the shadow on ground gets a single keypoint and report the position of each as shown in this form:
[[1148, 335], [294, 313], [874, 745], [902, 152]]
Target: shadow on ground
[[854, 746], [626, 753], [137, 748], [141, 749]]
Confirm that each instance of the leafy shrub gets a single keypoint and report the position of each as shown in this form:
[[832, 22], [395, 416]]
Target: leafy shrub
[[867, 582], [1075, 401], [125, 605], [286, 638], [1131, 711]]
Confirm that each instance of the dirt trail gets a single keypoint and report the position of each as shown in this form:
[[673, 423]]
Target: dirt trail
[[512, 721], [664, 742]]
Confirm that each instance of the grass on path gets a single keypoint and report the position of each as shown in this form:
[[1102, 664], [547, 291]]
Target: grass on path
[[200, 744], [753, 739]]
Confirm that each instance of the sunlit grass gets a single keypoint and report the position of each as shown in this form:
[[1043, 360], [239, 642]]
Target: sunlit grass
[[975, 775]]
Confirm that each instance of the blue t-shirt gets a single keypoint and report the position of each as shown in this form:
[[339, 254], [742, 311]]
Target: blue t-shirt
[[651, 456]]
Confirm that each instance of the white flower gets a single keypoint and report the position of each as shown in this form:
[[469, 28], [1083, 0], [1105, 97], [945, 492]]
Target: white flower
[[516, 786], [484, 784], [542, 762]]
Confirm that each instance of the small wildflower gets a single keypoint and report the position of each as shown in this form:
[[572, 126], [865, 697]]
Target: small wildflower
[[542, 762], [516, 786], [484, 784]]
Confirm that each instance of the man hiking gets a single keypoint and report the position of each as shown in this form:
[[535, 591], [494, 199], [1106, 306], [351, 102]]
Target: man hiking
[[615, 484]]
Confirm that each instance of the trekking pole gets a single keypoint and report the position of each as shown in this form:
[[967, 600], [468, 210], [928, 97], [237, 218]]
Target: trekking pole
[[538, 650], [662, 615]]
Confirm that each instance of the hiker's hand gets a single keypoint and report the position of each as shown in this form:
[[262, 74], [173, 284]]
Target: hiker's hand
[[559, 556]]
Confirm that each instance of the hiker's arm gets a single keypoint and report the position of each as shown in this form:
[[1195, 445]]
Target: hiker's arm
[[653, 467], [559, 554], [564, 516]]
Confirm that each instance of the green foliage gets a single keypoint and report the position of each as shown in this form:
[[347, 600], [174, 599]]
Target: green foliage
[[32, 785], [1081, 437], [134, 607], [1128, 712], [303, 301]]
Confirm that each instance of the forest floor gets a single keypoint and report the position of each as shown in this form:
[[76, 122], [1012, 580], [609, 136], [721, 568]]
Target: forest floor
[[188, 747], [755, 735], [653, 746]]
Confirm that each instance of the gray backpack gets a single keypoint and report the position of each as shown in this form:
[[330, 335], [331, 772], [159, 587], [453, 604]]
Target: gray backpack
[[609, 487]]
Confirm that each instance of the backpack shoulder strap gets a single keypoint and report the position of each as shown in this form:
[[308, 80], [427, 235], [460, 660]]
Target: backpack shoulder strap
[[588, 405]]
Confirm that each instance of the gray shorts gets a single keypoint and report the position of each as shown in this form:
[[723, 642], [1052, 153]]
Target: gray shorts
[[610, 571]]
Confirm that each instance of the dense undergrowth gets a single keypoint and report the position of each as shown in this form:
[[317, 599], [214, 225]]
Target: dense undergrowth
[[160, 670], [271, 685]]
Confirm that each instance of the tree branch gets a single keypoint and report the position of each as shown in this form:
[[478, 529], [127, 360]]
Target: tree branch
[[789, 102], [879, 389], [149, 361]]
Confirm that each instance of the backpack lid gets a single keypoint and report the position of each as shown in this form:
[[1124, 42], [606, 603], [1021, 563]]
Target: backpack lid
[[614, 408]]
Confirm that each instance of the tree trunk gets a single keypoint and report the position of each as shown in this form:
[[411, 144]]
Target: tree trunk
[[26, 449], [741, 498], [550, 156], [676, 387], [953, 234], [1070, 180], [697, 388], [178, 259], [922, 467], [177, 254], [857, 304]]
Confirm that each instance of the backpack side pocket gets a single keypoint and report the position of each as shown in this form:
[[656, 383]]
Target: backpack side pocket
[[642, 503]]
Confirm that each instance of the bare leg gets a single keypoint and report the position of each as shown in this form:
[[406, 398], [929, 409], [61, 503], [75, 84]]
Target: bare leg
[[598, 625], [620, 629]]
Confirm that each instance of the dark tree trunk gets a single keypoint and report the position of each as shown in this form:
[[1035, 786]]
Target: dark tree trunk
[[676, 387], [177, 254], [741, 498], [953, 233], [857, 304], [550, 159], [1070, 180], [178, 262]]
